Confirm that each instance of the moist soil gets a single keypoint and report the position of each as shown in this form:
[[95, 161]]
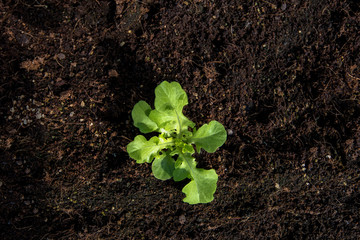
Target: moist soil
[[281, 76]]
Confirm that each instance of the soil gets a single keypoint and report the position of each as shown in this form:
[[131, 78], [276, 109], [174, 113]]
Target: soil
[[281, 76]]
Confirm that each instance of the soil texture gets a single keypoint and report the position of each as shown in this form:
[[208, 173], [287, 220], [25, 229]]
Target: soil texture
[[281, 76]]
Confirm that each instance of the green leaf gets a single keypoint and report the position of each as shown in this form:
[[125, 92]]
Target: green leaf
[[180, 172], [142, 150], [170, 96], [209, 137], [140, 116], [171, 120], [202, 186], [163, 167]]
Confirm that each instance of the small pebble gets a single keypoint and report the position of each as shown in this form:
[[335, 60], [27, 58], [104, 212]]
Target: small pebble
[[38, 115], [230, 132], [23, 39], [61, 56], [182, 219]]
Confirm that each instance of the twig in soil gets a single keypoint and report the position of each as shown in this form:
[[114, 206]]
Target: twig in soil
[[126, 138], [353, 76], [58, 62]]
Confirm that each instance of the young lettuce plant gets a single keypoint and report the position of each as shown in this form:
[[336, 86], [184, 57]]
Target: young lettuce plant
[[171, 152]]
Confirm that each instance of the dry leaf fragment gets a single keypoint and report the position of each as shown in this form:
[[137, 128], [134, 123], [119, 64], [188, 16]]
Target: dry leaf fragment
[[113, 73], [32, 65]]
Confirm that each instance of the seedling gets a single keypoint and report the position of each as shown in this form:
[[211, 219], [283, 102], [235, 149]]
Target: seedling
[[171, 152]]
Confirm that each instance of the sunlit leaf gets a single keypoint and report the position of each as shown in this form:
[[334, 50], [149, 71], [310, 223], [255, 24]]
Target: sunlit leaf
[[163, 167], [170, 96], [202, 186], [209, 137], [142, 150], [140, 116]]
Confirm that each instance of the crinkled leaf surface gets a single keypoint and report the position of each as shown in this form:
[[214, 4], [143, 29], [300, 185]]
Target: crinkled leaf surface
[[140, 115], [202, 186], [180, 172], [209, 137], [163, 167], [142, 150], [171, 120], [170, 96]]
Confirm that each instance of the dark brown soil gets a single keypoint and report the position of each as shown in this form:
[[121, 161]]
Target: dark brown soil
[[282, 76]]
